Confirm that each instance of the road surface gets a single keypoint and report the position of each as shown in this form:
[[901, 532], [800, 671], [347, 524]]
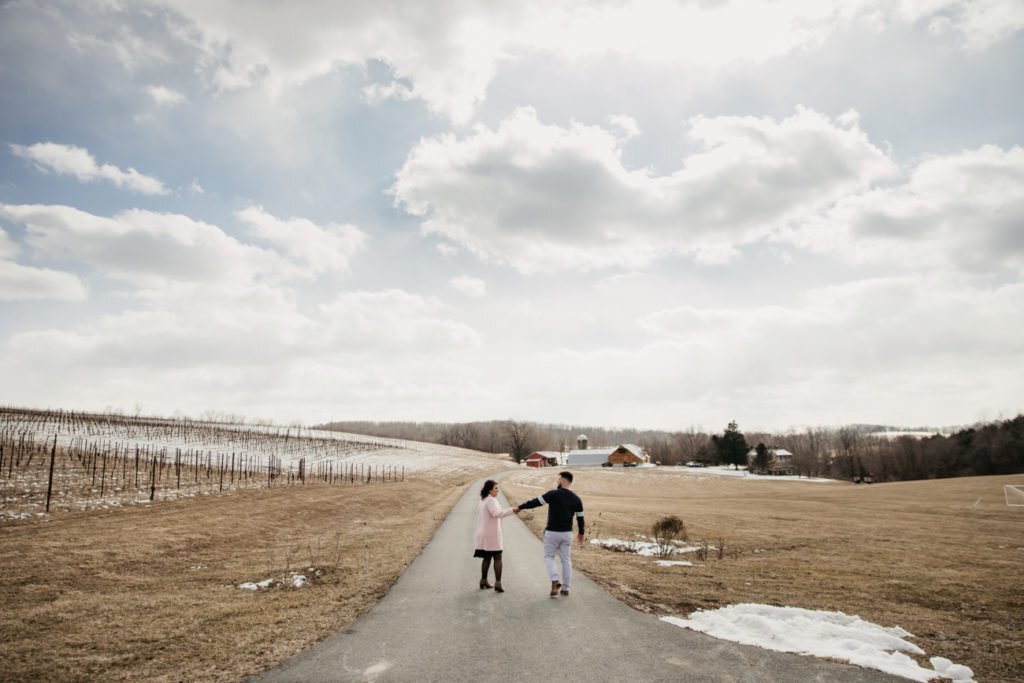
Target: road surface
[[435, 624]]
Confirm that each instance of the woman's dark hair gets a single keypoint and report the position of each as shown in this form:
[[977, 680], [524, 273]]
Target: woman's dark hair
[[486, 490]]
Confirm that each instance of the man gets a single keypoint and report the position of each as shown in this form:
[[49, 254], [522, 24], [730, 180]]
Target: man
[[563, 505]]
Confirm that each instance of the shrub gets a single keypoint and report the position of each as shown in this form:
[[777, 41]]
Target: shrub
[[666, 531]]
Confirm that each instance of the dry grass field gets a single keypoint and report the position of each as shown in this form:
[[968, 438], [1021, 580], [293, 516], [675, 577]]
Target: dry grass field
[[151, 593], [943, 559]]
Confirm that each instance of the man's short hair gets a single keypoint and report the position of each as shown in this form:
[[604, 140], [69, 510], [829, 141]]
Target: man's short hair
[[566, 475]]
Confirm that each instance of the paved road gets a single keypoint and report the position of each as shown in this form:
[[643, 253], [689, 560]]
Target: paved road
[[435, 624]]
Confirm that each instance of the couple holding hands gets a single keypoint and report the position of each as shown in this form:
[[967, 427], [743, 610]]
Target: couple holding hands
[[563, 506]]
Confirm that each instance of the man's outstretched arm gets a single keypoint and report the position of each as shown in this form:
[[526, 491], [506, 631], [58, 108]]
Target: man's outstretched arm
[[533, 503]]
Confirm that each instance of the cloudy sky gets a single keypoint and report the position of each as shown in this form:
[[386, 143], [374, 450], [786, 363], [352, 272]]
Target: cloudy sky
[[649, 213]]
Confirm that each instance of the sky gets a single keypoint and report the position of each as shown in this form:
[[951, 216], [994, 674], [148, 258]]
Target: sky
[[620, 213]]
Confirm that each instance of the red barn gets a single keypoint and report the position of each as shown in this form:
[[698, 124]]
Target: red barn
[[543, 459]]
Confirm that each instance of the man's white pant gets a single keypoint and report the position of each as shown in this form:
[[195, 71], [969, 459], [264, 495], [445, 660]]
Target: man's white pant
[[558, 543]]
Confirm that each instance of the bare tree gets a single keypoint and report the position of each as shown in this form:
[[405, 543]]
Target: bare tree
[[689, 442], [518, 437], [462, 435], [849, 443]]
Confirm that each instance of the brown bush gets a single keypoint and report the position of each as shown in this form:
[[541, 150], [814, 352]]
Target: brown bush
[[666, 531]]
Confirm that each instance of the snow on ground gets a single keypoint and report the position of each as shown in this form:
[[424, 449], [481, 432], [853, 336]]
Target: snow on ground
[[725, 471], [645, 547], [674, 563], [288, 444], [223, 447], [695, 472], [293, 580], [439, 460], [897, 434], [823, 634]]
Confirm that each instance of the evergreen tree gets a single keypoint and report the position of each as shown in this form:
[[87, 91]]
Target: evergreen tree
[[731, 446], [762, 458]]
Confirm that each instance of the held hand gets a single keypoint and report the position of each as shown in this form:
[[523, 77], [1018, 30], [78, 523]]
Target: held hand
[[579, 537], [515, 510]]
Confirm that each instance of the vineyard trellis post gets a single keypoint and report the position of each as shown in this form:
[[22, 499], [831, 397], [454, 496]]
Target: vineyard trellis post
[[49, 485]]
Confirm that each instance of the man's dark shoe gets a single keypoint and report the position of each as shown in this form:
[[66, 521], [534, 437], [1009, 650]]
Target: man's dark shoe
[[564, 591], [554, 589]]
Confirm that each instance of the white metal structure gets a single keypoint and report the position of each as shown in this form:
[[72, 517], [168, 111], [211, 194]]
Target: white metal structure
[[1014, 495]]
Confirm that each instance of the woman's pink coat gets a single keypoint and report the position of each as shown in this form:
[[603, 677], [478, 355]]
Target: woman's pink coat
[[488, 524]]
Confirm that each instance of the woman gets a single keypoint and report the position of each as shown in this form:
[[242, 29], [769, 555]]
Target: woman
[[488, 533]]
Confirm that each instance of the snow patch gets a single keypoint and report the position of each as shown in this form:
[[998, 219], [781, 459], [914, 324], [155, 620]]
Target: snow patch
[[956, 672], [725, 471], [823, 634], [644, 547], [674, 563]]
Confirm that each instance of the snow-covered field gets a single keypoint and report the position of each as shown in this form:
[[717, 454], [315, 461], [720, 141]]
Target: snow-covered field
[[106, 461], [823, 634], [725, 471], [913, 435], [288, 444], [720, 472]]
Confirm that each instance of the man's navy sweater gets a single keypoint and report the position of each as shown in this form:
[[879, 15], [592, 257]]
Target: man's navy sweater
[[563, 505]]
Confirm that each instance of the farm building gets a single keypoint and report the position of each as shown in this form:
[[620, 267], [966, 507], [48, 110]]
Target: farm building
[[628, 454], [583, 456], [588, 456], [780, 460], [544, 459]]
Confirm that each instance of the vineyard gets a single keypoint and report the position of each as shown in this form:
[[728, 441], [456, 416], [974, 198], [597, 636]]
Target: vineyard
[[52, 461]]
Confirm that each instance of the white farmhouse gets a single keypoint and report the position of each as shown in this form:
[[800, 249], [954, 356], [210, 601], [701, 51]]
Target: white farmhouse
[[780, 461]]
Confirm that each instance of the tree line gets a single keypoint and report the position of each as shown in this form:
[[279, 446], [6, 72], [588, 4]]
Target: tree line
[[518, 438], [848, 452]]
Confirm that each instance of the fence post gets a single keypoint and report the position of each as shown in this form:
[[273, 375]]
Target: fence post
[[49, 485]]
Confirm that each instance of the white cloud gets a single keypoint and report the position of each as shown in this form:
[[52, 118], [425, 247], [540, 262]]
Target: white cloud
[[164, 96], [394, 319], [22, 283], [895, 350], [196, 188], [75, 161], [145, 248], [627, 124], [861, 331], [8, 249], [321, 248], [231, 329], [131, 50], [447, 54], [980, 23], [192, 323], [450, 54], [255, 349], [221, 309], [964, 210], [470, 286], [541, 196], [378, 92]]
